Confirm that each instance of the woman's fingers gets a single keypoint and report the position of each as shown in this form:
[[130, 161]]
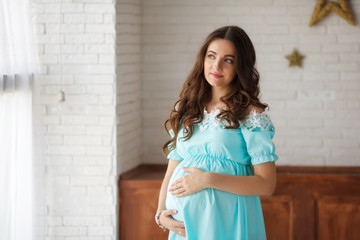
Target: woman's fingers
[[178, 224], [169, 212], [180, 231], [173, 225], [175, 184]]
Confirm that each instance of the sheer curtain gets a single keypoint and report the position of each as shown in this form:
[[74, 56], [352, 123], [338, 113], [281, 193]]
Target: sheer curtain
[[17, 211]]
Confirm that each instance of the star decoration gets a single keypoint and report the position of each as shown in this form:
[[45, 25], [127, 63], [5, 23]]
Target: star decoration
[[323, 7], [295, 59]]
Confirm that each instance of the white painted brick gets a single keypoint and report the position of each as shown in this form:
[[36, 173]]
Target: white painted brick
[[54, 221], [101, 110], [276, 29], [99, 48], [83, 18], [82, 221], [52, 120], [310, 38], [47, 18], [79, 59], [59, 160], [350, 57], [100, 89], [82, 140], [340, 47], [344, 67], [348, 38], [94, 180], [102, 69], [315, 95], [341, 85], [62, 180], [49, 38], [106, 100], [89, 238], [91, 160], [96, 190], [350, 76], [109, 19], [80, 120], [110, 38], [66, 150], [54, 140], [324, 57], [87, 200], [102, 231], [65, 49], [316, 76], [65, 7], [99, 151], [98, 130], [106, 59], [67, 231], [99, 28], [290, 19], [82, 99], [96, 8], [84, 38], [69, 129]]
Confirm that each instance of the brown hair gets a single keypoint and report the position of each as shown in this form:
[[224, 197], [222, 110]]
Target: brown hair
[[196, 91]]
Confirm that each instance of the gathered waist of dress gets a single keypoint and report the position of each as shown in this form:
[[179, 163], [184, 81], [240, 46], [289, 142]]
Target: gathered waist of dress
[[214, 159]]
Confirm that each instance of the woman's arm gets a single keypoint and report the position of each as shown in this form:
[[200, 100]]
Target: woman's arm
[[165, 218], [262, 183]]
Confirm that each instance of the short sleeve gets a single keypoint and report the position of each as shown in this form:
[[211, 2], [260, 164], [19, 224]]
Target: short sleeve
[[173, 154], [258, 132]]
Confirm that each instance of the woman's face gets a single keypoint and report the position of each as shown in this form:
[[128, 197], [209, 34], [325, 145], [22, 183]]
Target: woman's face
[[219, 63]]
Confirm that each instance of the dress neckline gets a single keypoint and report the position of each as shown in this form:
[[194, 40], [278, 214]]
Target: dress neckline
[[215, 110]]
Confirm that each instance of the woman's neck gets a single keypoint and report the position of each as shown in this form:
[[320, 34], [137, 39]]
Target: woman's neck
[[215, 101]]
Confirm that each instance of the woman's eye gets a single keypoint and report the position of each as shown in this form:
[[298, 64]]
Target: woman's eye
[[229, 61], [211, 56]]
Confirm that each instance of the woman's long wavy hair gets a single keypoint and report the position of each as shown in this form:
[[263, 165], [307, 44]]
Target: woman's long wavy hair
[[196, 91]]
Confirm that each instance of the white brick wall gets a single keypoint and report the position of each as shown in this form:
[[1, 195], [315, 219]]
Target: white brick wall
[[128, 103], [315, 109], [81, 168]]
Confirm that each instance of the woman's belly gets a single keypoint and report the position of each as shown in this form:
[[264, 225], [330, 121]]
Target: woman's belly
[[208, 200]]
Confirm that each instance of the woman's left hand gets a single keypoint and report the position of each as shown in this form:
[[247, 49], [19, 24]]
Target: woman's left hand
[[191, 183]]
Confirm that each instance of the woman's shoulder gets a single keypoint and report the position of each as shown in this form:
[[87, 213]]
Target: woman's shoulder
[[254, 109], [257, 119]]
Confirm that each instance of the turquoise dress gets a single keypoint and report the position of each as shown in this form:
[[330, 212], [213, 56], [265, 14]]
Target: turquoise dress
[[213, 214]]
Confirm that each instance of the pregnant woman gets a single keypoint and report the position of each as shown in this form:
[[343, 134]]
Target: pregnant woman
[[221, 151]]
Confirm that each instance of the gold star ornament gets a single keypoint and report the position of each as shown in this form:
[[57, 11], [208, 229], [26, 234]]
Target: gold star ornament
[[295, 59], [323, 7]]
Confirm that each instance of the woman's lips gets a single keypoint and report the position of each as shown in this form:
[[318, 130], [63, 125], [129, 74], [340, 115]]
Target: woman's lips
[[216, 75]]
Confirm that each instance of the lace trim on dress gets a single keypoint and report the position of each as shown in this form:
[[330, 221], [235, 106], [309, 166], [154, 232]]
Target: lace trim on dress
[[253, 121], [257, 120], [210, 119]]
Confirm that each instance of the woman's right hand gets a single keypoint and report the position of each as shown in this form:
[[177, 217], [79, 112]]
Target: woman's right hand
[[170, 223]]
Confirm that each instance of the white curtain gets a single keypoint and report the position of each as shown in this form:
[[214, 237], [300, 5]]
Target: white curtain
[[18, 214]]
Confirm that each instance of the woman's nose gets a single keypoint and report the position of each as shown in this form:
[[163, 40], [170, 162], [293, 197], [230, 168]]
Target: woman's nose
[[217, 65]]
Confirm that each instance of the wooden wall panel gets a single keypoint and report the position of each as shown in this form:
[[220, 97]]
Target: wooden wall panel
[[137, 209], [278, 214], [338, 218], [309, 203]]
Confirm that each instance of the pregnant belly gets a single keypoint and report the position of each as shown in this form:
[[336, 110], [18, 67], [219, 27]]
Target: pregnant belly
[[207, 200]]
